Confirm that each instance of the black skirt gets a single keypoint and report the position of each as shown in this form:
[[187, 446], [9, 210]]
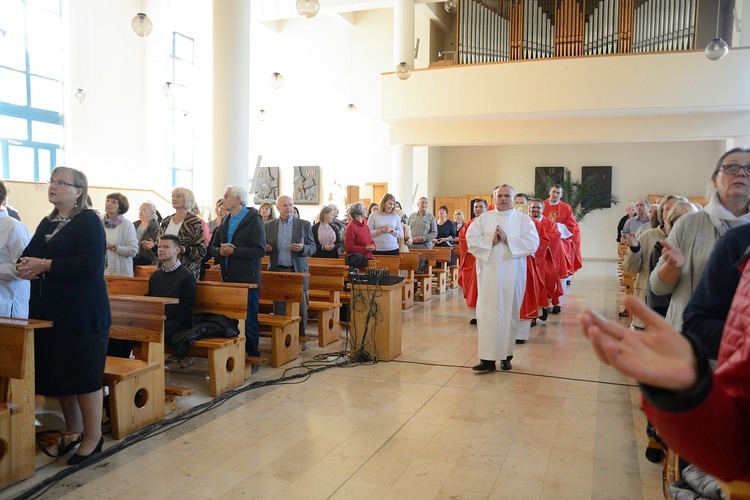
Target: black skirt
[[69, 364]]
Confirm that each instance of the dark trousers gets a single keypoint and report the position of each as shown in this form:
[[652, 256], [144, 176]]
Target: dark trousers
[[252, 335]]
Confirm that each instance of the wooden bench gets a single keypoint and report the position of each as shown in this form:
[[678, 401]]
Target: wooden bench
[[17, 405], [424, 281], [143, 271], [282, 330], [394, 265], [226, 356], [136, 386]]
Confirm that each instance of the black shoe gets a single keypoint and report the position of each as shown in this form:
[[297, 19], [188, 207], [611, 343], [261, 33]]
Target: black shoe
[[505, 365], [473, 321], [484, 366], [533, 322], [77, 459], [520, 341], [545, 314], [254, 368], [567, 282], [556, 309]]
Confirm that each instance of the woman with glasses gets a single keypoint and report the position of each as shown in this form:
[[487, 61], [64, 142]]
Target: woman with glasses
[[692, 238], [65, 263]]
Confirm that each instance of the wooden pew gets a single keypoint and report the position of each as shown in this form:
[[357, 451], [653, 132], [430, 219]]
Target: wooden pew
[[424, 281], [17, 444], [143, 271], [326, 310], [136, 386], [226, 356], [453, 270], [284, 330]]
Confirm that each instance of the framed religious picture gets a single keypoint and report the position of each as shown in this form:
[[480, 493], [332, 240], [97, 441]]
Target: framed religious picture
[[266, 185], [545, 177], [306, 185], [597, 183]]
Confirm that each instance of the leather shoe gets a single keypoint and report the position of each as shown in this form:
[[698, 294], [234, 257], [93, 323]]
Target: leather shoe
[[556, 309], [533, 322], [520, 341], [505, 365], [545, 314], [484, 366], [473, 321], [77, 459]]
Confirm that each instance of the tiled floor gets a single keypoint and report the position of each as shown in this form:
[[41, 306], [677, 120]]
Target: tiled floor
[[559, 425]]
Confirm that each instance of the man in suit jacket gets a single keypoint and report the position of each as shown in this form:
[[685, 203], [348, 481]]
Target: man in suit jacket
[[238, 245], [290, 241]]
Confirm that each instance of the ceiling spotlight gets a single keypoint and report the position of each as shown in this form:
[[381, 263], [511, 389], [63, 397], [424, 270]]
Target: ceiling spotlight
[[141, 24], [308, 8], [277, 81], [79, 95], [351, 108], [450, 6], [717, 48], [168, 89], [262, 115], [403, 71]]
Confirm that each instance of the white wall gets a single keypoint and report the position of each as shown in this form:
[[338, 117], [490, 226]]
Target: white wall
[[638, 169]]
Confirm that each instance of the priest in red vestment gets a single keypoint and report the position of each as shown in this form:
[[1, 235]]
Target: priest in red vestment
[[467, 274]]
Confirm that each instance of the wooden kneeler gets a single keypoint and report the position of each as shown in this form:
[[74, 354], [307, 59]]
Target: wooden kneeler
[[133, 397]]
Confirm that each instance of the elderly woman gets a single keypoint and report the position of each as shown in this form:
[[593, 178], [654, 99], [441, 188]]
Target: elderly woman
[[692, 238], [638, 256], [187, 227], [266, 211], [385, 227], [65, 263], [146, 228], [122, 243], [326, 237], [357, 239]]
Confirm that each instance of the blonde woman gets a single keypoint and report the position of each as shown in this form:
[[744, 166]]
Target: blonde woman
[[187, 227]]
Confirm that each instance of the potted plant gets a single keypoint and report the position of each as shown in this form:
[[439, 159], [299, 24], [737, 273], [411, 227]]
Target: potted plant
[[583, 197]]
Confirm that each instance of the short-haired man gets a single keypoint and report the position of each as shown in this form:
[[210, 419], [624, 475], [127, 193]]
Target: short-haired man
[[290, 241], [641, 217], [171, 279], [549, 246], [467, 274], [423, 226], [14, 291], [500, 240], [238, 245]]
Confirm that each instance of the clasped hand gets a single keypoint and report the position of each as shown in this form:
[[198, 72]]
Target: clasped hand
[[29, 268]]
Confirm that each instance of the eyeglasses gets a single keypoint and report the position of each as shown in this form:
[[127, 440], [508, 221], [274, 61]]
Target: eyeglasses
[[61, 183], [733, 168]]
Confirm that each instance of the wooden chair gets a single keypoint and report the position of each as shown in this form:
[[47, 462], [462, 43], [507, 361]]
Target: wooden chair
[[440, 271]]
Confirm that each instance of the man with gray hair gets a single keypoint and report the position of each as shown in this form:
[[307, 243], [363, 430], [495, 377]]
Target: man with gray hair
[[238, 246], [14, 291], [423, 226]]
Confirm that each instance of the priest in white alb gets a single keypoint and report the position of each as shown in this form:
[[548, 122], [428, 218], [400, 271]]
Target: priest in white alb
[[500, 240]]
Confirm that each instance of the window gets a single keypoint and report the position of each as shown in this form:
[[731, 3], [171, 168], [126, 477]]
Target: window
[[31, 131], [182, 128]]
